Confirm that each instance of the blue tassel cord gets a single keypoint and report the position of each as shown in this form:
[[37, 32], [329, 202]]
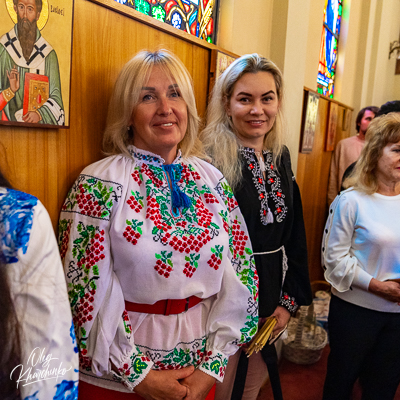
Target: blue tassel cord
[[179, 199]]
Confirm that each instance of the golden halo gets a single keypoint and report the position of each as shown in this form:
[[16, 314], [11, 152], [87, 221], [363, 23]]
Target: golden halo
[[44, 14]]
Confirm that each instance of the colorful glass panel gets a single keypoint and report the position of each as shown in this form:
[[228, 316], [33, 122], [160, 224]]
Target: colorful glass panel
[[329, 47], [196, 17]]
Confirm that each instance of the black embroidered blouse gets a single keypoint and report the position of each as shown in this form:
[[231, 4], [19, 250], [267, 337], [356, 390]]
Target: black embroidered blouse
[[256, 196]]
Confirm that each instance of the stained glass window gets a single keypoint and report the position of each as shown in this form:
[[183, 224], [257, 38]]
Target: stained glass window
[[196, 17], [329, 47]]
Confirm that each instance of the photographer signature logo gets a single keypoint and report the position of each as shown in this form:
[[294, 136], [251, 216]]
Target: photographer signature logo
[[39, 367]]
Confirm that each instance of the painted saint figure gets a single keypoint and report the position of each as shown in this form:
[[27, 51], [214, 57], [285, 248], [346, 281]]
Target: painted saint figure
[[30, 87]]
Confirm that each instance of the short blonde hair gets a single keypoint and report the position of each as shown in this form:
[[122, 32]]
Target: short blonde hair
[[219, 138], [126, 96], [381, 131]]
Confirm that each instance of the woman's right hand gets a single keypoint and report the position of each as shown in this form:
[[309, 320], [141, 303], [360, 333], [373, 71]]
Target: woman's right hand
[[164, 385], [389, 290]]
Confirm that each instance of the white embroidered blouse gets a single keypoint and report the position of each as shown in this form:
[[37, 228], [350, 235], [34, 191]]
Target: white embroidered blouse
[[122, 240], [48, 363]]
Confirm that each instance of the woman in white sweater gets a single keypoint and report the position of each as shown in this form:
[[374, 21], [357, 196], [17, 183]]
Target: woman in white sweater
[[361, 258]]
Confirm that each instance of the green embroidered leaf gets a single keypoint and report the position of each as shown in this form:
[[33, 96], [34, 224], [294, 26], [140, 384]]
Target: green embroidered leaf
[[95, 270], [158, 256], [169, 262], [97, 194], [214, 225], [215, 366], [140, 230], [248, 251], [83, 331], [77, 241], [187, 258]]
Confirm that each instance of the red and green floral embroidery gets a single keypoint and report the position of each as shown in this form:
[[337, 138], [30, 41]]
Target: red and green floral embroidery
[[179, 357], [215, 363], [64, 229], [191, 264], [133, 371], [85, 362], [216, 257], [189, 172], [127, 323], [133, 231], [164, 265], [186, 232], [228, 196], [135, 201], [249, 329], [92, 197], [88, 251], [238, 241], [137, 176]]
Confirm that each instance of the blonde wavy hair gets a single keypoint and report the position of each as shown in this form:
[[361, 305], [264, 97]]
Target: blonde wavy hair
[[381, 131], [126, 95], [219, 137]]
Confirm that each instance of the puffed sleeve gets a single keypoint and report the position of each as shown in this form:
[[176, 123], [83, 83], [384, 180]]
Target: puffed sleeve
[[39, 293], [296, 289], [340, 265], [233, 318], [102, 325]]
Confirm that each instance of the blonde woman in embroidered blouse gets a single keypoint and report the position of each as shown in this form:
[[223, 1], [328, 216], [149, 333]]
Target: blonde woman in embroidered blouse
[[244, 137], [156, 252]]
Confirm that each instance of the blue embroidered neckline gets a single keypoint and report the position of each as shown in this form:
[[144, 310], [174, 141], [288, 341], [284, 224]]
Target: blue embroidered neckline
[[150, 158]]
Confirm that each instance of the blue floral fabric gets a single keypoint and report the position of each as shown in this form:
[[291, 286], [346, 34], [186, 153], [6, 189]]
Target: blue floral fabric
[[16, 215]]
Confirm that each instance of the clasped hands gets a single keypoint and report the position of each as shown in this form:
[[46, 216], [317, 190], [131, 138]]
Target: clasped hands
[[186, 383]]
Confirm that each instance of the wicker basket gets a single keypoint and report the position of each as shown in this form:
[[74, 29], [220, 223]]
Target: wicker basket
[[299, 349]]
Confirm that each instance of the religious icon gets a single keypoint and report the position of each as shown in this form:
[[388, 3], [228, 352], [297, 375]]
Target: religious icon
[[310, 111], [219, 63], [331, 127], [34, 74]]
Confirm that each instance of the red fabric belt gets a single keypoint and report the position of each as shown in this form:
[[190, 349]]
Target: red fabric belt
[[165, 307]]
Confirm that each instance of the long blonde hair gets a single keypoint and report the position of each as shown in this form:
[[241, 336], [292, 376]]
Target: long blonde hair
[[381, 131], [126, 95], [219, 138]]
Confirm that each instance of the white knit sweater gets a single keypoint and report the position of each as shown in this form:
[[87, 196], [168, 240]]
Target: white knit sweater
[[362, 241]]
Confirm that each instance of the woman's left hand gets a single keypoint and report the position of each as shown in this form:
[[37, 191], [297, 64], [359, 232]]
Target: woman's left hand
[[282, 315], [198, 384], [389, 290]]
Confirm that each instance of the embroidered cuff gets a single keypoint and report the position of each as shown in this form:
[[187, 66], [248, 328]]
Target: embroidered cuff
[[132, 372], [214, 364], [8, 94], [289, 303]]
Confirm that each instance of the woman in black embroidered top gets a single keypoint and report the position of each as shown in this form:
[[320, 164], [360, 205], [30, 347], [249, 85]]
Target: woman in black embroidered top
[[244, 138]]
